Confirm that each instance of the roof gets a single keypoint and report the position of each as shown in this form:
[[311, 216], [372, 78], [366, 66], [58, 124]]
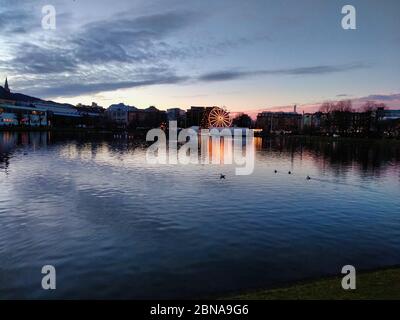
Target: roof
[[121, 106]]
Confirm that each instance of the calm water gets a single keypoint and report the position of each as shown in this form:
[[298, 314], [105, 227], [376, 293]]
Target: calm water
[[116, 227]]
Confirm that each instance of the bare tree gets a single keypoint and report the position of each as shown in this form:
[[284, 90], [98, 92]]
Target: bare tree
[[327, 107], [338, 116], [343, 106]]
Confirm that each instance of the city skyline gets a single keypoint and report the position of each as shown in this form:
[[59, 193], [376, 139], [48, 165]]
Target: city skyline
[[246, 56]]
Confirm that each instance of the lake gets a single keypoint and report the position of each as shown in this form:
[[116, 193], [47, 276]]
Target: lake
[[116, 227]]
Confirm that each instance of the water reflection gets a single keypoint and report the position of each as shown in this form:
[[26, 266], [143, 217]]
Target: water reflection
[[368, 157], [118, 227]]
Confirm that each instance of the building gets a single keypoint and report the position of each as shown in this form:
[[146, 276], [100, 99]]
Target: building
[[311, 121], [178, 115], [388, 114], [92, 110], [194, 116], [6, 88], [279, 122], [13, 115], [119, 114], [147, 118], [57, 114]]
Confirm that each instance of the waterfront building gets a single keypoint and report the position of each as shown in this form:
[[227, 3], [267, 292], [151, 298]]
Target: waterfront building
[[279, 122], [194, 116], [311, 121], [147, 118], [14, 115], [57, 114], [178, 115], [388, 114], [119, 114], [388, 122], [93, 110]]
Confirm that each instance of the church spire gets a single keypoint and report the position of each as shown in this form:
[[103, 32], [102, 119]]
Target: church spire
[[6, 86]]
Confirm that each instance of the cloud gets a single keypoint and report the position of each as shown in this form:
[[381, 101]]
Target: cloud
[[118, 52], [225, 75], [115, 52], [72, 89], [139, 39], [17, 20], [313, 70], [33, 59], [118, 39], [128, 49], [381, 97]]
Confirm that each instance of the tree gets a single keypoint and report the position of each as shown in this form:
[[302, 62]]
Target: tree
[[327, 107], [371, 106], [343, 106], [343, 116], [242, 120], [338, 116], [370, 115]]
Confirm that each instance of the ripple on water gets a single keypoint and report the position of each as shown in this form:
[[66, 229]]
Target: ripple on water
[[103, 216]]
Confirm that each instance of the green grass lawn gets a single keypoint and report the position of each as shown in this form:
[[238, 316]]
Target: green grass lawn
[[384, 284]]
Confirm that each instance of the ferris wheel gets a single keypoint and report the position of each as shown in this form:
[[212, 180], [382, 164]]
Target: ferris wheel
[[219, 118]]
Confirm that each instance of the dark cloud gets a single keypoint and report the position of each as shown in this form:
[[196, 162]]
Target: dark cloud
[[135, 40], [323, 69], [72, 89], [17, 20], [116, 53], [313, 70], [225, 75], [382, 97], [139, 39], [32, 59]]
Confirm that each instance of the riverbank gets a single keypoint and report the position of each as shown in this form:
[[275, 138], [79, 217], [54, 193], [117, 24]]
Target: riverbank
[[142, 132], [75, 131], [344, 139], [376, 285]]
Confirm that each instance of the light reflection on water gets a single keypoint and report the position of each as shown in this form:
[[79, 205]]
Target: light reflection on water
[[117, 227]]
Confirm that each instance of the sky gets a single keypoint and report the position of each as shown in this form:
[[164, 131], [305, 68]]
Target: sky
[[245, 55]]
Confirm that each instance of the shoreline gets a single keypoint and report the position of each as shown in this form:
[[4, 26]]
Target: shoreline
[[375, 284], [141, 131]]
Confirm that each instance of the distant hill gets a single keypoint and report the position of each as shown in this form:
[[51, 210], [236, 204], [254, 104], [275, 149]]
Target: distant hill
[[17, 96]]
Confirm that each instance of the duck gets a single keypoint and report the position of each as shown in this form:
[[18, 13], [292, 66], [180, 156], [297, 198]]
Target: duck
[[222, 176], [308, 178], [290, 172], [276, 171]]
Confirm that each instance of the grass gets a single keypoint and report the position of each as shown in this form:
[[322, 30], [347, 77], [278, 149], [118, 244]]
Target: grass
[[378, 285]]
